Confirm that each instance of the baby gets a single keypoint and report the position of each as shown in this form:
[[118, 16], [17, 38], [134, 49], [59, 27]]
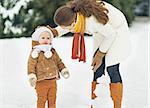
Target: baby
[[44, 66]]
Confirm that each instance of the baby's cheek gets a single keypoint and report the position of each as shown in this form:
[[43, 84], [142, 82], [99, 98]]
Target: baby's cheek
[[50, 41], [41, 41]]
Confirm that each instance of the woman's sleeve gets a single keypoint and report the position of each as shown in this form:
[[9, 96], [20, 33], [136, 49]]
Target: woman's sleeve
[[61, 31], [109, 34]]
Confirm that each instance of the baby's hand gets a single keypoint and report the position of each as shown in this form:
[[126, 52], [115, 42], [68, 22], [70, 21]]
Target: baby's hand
[[65, 73]]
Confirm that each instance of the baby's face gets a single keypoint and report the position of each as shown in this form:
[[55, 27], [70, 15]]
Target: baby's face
[[45, 38]]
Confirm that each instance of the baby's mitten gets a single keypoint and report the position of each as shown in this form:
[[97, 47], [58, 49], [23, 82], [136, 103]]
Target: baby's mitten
[[32, 80], [65, 73]]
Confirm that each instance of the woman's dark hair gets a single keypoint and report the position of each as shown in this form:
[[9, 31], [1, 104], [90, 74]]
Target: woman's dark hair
[[66, 15]]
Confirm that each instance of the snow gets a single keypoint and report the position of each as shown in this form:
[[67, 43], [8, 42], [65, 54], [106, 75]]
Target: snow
[[15, 91]]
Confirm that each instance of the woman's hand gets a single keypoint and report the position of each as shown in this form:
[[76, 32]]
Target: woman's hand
[[97, 60], [54, 31]]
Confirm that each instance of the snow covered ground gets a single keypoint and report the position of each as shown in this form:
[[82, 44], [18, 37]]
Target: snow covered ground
[[15, 91]]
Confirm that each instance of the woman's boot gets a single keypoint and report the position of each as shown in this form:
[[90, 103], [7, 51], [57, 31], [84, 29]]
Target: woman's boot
[[93, 95], [116, 90]]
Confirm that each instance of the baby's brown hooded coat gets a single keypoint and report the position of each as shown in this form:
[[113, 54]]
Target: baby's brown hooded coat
[[45, 68]]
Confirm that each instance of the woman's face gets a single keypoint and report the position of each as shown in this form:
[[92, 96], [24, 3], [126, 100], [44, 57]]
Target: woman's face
[[70, 27], [45, 38]]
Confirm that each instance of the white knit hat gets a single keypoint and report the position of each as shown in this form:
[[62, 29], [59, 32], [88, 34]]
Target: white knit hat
[[38, 31]]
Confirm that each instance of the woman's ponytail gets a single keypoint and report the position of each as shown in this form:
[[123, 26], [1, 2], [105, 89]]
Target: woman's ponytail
[[89, 8]]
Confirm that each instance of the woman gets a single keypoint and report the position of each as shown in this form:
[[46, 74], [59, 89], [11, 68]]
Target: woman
[[110, 30]]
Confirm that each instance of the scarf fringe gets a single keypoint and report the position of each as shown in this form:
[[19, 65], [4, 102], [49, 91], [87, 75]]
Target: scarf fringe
[[78, 45]]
